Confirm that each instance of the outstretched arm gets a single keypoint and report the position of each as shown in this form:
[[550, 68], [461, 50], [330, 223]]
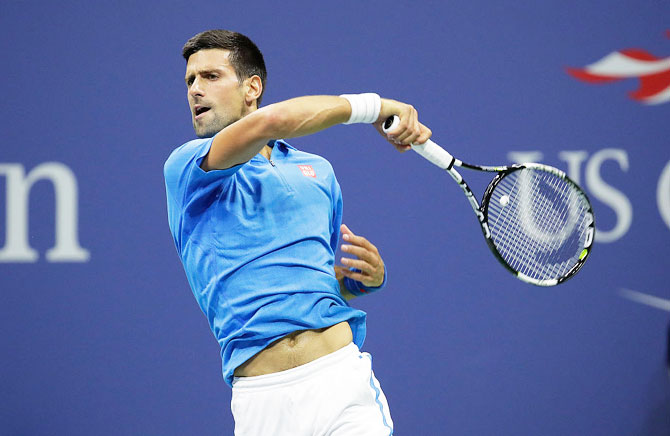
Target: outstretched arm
[[243, 139]]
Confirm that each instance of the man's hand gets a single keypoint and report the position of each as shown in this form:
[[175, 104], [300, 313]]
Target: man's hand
[[368, 261], [409, 131]]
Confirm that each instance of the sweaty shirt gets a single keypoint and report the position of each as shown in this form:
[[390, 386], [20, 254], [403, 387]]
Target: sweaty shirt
[[258, 243]]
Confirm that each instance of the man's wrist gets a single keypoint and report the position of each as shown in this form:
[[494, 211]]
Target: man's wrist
[[357, 288], [365, 108]]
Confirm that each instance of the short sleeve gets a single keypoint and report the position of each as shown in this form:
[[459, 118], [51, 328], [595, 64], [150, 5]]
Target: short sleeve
[[199, 173], [182, 170], [184, 180]]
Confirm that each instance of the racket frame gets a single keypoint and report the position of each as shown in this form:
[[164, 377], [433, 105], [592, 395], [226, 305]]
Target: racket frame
[[444, 160], [481, 210]]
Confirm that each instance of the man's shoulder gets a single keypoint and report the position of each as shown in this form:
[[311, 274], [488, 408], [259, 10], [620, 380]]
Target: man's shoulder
[[188, 149], [301, 156], [180, 156]]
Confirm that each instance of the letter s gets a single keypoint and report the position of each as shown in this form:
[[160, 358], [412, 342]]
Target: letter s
[[608, 195]]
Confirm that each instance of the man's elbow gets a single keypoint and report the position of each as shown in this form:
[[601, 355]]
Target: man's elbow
[[241, 140], [269, 122]]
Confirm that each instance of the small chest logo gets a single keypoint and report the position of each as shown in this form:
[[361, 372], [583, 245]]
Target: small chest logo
[[307, 170]]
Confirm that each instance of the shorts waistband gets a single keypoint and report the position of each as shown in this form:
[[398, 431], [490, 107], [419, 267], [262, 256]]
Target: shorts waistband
[[296, 374]]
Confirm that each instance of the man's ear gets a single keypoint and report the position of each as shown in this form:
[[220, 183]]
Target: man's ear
[[253, 90]]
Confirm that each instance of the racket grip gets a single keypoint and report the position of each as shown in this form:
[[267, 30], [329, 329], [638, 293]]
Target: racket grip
[[434, 153], [429, 150]]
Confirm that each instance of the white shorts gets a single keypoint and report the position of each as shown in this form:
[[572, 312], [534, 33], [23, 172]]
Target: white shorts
[[336, 395]]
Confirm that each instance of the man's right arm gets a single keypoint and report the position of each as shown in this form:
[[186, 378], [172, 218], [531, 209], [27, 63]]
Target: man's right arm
[[242, 140]]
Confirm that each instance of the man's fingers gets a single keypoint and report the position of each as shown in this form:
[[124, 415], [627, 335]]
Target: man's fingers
[[426, 133], [420, 136], [369, 262], [411, 139], [359, 264], [409, 124], [359, 241], [408, 137], [363, 278], [361, 252], [339, 271], [351, 238], [401, 148]]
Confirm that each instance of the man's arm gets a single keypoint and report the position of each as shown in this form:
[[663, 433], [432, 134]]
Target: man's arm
[[242, 140]]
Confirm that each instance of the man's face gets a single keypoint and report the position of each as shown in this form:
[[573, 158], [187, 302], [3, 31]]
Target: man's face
[[215, 95]]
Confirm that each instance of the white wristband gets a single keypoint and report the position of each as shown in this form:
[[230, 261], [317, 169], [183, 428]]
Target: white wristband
[[364, 107]]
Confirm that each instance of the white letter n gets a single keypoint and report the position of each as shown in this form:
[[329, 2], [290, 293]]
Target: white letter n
[[18, 186]]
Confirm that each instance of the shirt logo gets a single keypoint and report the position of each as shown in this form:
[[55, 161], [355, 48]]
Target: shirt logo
[[307, 170], [652, 72]]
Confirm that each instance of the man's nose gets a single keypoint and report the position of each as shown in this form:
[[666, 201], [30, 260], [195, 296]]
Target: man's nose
[[195, 90]]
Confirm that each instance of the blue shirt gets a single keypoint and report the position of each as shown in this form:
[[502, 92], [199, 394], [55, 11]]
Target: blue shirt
[[258, 243]]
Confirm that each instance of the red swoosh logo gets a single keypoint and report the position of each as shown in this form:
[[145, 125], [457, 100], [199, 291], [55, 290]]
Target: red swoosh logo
[[652, 72]]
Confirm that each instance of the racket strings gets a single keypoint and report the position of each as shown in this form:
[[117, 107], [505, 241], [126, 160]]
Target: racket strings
[[528, 252], [515, 248], [535, 219], [563, 218], [538, 222], [552, 226]]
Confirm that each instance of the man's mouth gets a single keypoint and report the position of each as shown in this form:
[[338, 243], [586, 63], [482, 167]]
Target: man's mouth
[[199, 110]]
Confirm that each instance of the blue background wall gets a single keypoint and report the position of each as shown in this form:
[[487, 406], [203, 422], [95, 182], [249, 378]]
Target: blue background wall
[[117, 345]]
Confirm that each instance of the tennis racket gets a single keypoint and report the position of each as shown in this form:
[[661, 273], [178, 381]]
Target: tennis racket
[[537, 222]]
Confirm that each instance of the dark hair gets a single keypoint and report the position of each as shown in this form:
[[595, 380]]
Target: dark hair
[[245, 57]]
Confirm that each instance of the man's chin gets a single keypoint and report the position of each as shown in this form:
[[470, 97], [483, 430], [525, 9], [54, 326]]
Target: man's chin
[[208, 130], [205, 132], [205, 135]]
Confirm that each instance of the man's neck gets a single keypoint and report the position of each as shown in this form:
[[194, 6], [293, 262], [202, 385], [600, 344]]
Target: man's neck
[[266, 151]]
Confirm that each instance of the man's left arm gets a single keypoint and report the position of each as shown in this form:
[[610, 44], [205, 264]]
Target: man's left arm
[[368, 274]]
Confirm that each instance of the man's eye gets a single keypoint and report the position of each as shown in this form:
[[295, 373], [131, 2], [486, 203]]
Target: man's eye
[[212, 76]]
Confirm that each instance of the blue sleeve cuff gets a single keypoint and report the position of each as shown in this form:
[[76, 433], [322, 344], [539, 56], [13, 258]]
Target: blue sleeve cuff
[[357, 288]]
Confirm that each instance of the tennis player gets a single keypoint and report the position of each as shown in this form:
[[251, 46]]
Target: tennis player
[[256, 223]]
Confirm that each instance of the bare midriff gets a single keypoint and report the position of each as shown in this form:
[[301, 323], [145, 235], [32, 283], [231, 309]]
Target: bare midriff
[[295, 349]]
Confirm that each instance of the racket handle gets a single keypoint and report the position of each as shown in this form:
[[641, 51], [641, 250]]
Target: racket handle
[[429, 150]]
